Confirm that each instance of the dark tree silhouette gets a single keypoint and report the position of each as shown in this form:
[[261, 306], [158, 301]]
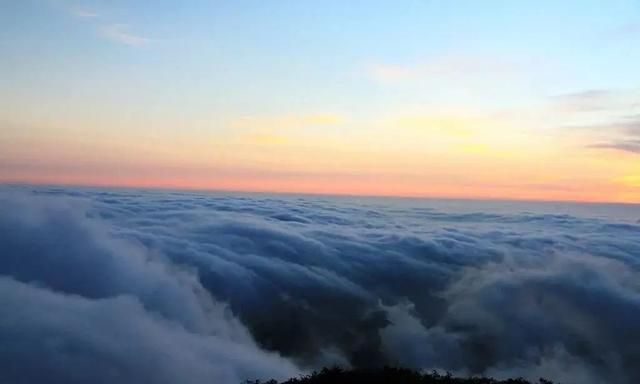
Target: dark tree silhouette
[[390, 375]]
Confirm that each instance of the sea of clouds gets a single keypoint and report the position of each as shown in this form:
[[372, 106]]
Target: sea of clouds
[[125, 286]]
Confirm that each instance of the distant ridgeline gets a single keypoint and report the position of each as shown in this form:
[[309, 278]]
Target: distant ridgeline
[[389, 375]]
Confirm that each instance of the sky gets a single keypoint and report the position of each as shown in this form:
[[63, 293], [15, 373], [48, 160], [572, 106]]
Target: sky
[[461, 99]]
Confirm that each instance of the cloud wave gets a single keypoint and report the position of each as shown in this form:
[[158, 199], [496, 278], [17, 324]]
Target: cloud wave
[[224, 288]]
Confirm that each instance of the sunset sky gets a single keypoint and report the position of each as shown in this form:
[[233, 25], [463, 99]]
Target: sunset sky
[[477, 99]]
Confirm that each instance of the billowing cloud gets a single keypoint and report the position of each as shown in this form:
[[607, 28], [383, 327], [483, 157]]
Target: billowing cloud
[[310, 281], [80, 305]]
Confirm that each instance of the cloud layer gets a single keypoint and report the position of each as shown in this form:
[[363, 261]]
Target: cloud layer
[[166, 287]]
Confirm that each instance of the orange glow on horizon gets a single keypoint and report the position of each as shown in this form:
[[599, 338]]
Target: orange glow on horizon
[[444, 155], [365, 186]]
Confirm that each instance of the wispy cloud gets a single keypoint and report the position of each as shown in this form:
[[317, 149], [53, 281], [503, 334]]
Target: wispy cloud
[[629, 125], [589, 100], [265, 139], [120, 33], [286, 121], [627, 31], [117, 32], [280, 130], [632, 146], [448, 65], [84, 13], [597, 100], [626, 132]]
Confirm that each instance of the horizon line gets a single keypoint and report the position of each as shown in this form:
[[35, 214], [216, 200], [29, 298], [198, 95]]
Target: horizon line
[[334, 194]]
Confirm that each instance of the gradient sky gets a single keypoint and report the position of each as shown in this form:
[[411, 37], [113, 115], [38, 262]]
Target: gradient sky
[[481, 99]]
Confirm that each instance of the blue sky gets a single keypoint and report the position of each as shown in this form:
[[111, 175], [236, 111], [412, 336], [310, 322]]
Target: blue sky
[[251, 48]]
